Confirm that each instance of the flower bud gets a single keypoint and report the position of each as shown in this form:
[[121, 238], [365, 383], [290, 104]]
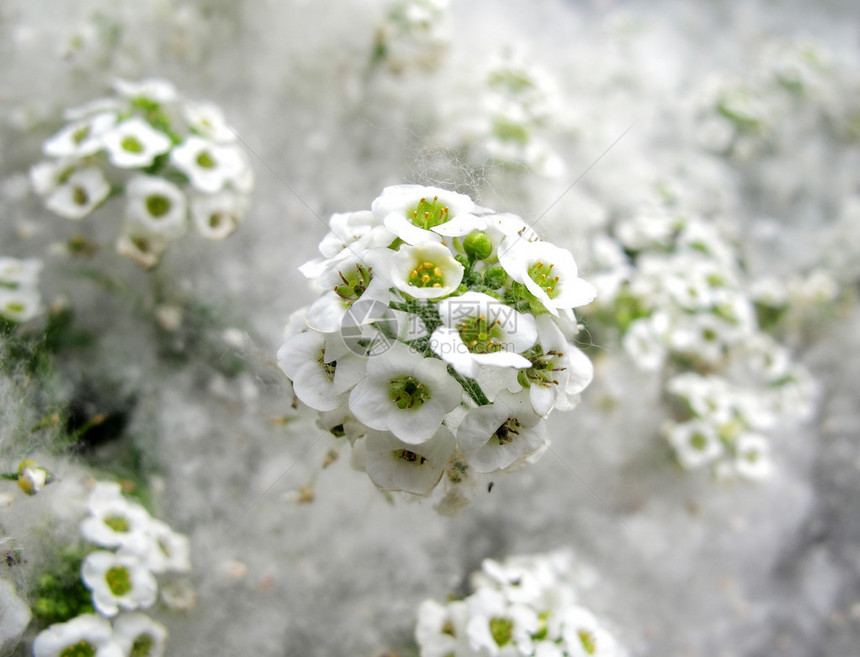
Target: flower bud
[[477, 245]]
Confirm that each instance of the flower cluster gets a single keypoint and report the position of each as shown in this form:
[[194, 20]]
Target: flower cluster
[[415, 33], [173, 161], [441, 338], [517, 105], [20, 300], [524, 606], [674, 287], [122, 580]]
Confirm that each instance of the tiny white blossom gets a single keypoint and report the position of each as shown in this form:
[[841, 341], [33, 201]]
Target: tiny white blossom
[[141, 247], [152, 89], [118, 580], [696, 443], [405, 393], [209, 165], [752, 456], [134, 144], [114, 521], [396, 465], [499, 628], [85, 634], [165, 550], [584, 636], [441, 629], [208, 120], [138, 635], [217, 216], [81, 138], [425, 271], [419, 214], [156, 206], [80, 194], [548, 272]]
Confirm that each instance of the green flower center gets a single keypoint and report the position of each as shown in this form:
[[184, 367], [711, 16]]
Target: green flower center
[[142, 646], [410, 457], [80, 196], [205, 160], [158, 205], [543, 369], [354, 284], [428, 213], [80, 649], [509, 430], [131, 144], [541, 273], [751, 456], [507, 130], [427, 274], [698, 442], [502, 630], [588, 641], [119, 581], [480, 335], [448, 628], [407, 392], [14, 306], [117, 523], [80, 134]]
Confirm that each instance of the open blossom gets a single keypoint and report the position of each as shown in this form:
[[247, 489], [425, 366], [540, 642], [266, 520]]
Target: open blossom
[[393, 464], [134, 144], [138, 635], [20, 300], [81, 193], [426, 271], [209, 165], [118, 581], [156, 206], [88, 634]]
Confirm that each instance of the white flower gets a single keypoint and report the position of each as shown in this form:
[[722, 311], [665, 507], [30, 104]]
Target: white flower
[[347, 228], [496, 436], [752, 456], [396, 465], [16, 615], [548, 272], [46, 176], [118, 581], [141, 247], [208, 120], [320, 369], [209, 166], [114, 521], [584, 636], [441, 629], [217, 216], [418, 214], [31, 477], [20, 304], [349, 283], [498, 627], [479, 330], [645, 341], [427, 271], [152, 89], [80, 194], [88, 634], [406, 394], [81, 138], [134, 144], [165, 550], [696, 443], [139, 636], [16, 273], [156, 206]]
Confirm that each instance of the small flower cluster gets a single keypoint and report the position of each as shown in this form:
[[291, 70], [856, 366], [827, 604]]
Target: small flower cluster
[[122, 580], [415, 33], [20, 300], [675, 289], [441, 338], [524, 606], [169, 158], [518, 104]]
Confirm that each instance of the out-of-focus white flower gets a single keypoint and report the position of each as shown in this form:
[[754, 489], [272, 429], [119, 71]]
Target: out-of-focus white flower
[[134, 144], [138, 635], [393, 464], [88, 634], [584, 636], [118, 581], [209, 165], [165, 550], [114, 521], [696, 443], [441, 629], [405, 393], [752, 456], [498, 627], [208, 120], [645, 341], [20, 300], [141, 247], [156, 206], [217, 216], [153, 89], [81, 193], [81, 138]]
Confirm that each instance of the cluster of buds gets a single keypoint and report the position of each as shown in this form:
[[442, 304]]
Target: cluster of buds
[[121, 575], [442, 337], [525, 606], [173, 161]]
